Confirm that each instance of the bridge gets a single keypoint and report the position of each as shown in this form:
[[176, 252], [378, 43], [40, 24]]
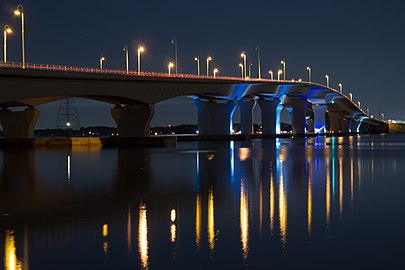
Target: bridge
[[314, 108]]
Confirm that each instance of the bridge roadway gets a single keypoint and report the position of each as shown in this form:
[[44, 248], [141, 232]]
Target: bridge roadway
[[313, 108]]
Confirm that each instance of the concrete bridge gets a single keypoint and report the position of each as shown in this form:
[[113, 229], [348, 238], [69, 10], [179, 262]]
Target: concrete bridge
[[313, 108]]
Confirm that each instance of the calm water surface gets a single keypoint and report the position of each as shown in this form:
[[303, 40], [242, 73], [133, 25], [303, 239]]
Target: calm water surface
[[316, 203]]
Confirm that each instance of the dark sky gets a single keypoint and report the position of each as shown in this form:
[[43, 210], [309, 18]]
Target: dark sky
[[358, 43]]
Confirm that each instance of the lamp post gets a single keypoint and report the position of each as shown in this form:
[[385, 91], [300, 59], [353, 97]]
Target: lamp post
[[271, 74], [125, 49], [243, 55], [209, 58], [351, 96], [340, 88], [141, 49], [284, 71], [20, 12], [170, 66], [259, 62], [309, 74], [215, 72], [358, 104], [7, 30], [250, 70], [197, 59], [102, 59], [174, 41], [327, 80], [278, 74], [241, 68]]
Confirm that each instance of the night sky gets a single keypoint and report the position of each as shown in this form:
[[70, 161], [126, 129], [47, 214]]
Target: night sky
[[358, 43]]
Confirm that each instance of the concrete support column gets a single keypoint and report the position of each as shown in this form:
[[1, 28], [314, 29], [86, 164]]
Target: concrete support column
[[334, 121], [345, 123], [133, 120], [354, 125], [246, 116], [19, 125], [270, 116], [319, 117], [299, 109], [214, 118]]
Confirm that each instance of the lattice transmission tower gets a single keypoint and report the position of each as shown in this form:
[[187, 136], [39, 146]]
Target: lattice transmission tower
[[68, 117]]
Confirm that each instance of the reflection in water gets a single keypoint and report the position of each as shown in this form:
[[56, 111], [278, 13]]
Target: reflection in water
[[129, 228], [244, 219], [10, 255], [340, 184], [104, 232], [351, 179], [211, 221], [198, 221], [327, 192], [143, 237], [282, 207], [173, 226], [68, 168], [309, 207], [272, 201]]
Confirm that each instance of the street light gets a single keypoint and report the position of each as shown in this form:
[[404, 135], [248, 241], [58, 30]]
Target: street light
[[278, 74], [284, 71], [125, 49], [241, 68], [351, 96], [141, 49], [20, 12], [271, 74], [102, 59], [309, 74], [340, 88], [250, 70], [327, 80], [243, 55], [215, 72], [358, 104], [197, 59], [170, 66], [382, 117], [209, 58], [7, 30], [258, 61], [174, 41]]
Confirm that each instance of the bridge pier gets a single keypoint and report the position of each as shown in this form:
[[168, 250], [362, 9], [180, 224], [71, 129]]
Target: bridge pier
[[299, 109], [133, 120], [319, 117], [270, 115], [214, 117], [19, 125], [246, 116]]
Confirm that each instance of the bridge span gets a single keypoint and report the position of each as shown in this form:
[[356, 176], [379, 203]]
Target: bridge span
[[314, 108]]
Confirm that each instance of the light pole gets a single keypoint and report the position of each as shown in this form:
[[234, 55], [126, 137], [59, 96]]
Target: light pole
[[309, 74], [382, 117], [102, 59], [197, 59], [125, 49], [271, 74], [351, 96], [341, 88], [241, 68], [327, 80], [170, 66], [278, 74], [243, 55], [358, 104], [20, 12], [284, 71], [7, 30], [141, 49], [258, 62], [209, 58], [174, 41], [215, 72], [250, 70]]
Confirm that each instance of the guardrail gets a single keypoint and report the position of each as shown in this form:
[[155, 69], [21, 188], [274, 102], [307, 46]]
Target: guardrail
[[125, 73]]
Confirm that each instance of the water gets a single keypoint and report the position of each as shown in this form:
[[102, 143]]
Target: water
[[334, 203]]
